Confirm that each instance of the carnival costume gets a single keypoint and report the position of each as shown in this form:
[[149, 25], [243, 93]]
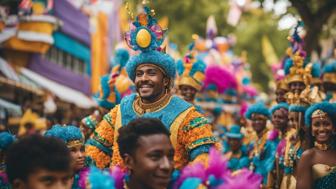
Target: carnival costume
[[72, 137], [6, 139], [296, 139], [236, 160], [112, 87], [191, 134], [262, 155], [324, 175], [280, 150], [190, 72]]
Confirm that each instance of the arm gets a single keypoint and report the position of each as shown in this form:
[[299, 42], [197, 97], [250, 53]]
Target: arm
[[197, 137], [304, 178], [99, 146]]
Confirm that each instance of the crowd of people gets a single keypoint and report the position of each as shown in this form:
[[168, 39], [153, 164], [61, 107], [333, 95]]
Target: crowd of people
[[152, 129]]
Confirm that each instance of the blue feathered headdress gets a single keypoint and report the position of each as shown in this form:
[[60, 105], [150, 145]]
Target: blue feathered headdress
[[121, 57], [330, 68], [191, 72], [6, 139], [257, 108], [279, 106], [104, 97], [316, 70], [157, 58], [67, 133], [297, 108], [326, 107], [147, 36]]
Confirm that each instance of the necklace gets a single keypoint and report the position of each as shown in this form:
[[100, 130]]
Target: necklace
[[141, 108], [320, 146]]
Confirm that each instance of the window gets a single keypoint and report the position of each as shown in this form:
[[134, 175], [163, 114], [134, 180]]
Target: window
[[66, 60]]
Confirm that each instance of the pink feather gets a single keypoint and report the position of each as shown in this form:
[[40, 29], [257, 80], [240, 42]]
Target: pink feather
[[280, 151], [273, 134], [194, 170], [217, 165], [222, 78], [243, 108], [4, 177], [118, 174], [244, 179], [83, 177], [250, 90]]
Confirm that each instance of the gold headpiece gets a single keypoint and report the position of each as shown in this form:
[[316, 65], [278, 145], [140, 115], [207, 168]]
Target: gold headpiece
[[329, 77], [74, 143], [319, 114], [282, 84], [297, 72]]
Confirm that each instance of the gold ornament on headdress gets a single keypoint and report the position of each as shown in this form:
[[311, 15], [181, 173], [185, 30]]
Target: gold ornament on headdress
[[297, 71], [75, 143], [282, 84], [319, 114]]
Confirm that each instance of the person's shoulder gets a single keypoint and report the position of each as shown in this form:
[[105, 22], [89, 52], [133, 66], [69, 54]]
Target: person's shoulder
[[309, 153]]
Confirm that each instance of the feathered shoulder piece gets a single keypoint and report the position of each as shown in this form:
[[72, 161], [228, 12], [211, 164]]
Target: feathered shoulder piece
[[215, 175]]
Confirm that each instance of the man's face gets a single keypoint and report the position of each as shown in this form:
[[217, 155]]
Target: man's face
[[258, 122], [296, 87], [78, 157], [45, 179], [150, 82], [234, 143], [152, 163], [280, 119], [280, 95], [188, 93]]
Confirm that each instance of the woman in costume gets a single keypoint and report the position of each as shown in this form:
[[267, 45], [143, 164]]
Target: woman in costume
[[262, 155], [6, 139], [74, 140], [234, 150], [280, 122], [317, 166]]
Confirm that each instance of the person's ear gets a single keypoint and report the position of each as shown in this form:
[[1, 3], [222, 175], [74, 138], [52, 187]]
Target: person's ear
[[166, 81], [129, 162], [18, 184]]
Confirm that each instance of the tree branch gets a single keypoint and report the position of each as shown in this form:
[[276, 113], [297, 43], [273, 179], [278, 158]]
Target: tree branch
[[304, 11], [325, 11]]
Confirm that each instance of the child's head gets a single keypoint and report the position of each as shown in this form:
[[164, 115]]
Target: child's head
[[39, 162], [147, 151]]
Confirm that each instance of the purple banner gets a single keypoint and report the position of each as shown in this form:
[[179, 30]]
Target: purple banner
[[75, 23], [59, 74]]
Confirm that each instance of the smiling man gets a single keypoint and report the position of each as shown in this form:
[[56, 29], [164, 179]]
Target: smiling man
[[153, 73]]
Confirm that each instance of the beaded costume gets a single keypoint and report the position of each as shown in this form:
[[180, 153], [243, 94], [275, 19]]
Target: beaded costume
[[191, 135], [262, 155]]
